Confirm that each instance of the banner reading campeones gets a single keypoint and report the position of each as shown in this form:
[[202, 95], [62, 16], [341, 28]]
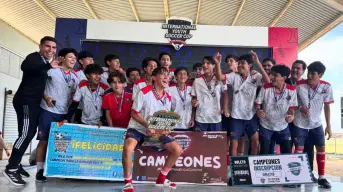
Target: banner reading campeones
[[85, 152], [203, 159], [270, 170]]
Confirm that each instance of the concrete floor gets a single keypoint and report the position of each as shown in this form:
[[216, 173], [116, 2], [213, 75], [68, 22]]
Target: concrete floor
[[60, 185]]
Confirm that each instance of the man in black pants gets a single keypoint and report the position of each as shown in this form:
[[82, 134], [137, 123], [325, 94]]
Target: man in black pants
[[26, 103]]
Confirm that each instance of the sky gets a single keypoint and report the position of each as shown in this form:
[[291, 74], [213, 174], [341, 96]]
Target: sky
[[329, 50]]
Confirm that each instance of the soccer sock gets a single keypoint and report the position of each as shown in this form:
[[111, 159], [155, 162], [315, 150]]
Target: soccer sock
[[128, 179], [299, 149], [163, 175], [40, 165], [321, 163]]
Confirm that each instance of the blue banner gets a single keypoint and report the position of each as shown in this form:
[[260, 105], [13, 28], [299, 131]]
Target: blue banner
[[85, 152]]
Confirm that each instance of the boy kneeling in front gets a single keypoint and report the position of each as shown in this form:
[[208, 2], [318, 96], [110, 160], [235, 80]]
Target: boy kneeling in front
[[149, 100]]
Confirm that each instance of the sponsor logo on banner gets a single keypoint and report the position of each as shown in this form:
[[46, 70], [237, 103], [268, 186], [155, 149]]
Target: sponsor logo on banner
[[270, 170], [202, 161]]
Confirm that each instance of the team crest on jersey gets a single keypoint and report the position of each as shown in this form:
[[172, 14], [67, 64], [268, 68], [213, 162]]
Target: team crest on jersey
[[288, 98], [324, 91]]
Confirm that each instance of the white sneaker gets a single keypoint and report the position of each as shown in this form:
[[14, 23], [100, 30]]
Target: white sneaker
[[128, 188], [167, 183]]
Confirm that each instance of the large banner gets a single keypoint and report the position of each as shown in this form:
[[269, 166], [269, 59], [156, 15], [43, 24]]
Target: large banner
[[270, 170], [85, 152], [203, 159]]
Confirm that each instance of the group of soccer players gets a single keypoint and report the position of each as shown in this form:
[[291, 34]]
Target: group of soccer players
[[264, 104]]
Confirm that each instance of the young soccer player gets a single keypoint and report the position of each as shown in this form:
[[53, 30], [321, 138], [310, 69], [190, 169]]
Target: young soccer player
[[244, 85], [148, 66], [149, 100], [206, 93], [297, 71], [85, 58], [312, 94], [60, 86], [197, 72], [133, 74], [113, 64], [90, 93], [275, 104], [232, 62], [117, 105], [181, 98], [166, 61]]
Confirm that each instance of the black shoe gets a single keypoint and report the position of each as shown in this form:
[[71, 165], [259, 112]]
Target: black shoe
[[324, 183], [314, 179], [22, 172], [14, 177], [40, 177]]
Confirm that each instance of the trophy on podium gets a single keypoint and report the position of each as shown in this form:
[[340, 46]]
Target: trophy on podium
[[163, 122]]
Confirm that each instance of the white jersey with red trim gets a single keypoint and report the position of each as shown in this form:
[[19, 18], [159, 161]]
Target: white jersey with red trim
[[137, 86], [312, 98], [146, 104], [79, 72], [275, 105], [92, 101], [209, 108], [60, 86], [244, 94], [182, 104]]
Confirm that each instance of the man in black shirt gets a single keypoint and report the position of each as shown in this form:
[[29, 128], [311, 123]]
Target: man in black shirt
[[26, 103]]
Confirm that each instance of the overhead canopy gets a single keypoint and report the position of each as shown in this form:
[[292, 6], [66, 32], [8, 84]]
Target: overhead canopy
[[36, 18]]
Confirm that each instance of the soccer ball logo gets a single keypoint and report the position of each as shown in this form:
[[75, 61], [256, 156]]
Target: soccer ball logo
[[58, 136]]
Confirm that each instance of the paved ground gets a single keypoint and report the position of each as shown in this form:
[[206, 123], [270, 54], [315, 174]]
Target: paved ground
[[59, 185]]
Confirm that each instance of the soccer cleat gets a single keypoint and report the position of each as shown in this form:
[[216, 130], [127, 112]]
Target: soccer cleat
[[14, 177], [229, 183], [324, 183], [314, 179], [22, 171], [166, 183], [40, 177], [128, 188]]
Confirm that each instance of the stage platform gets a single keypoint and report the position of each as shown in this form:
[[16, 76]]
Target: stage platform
[[63, 185]]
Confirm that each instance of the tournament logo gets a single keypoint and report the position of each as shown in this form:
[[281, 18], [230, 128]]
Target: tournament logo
[[263, 180], [61, 141], [162, 122], [295, 168], [178, 31]]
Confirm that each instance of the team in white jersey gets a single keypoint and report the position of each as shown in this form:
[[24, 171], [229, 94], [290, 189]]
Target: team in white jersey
[[199, 105]]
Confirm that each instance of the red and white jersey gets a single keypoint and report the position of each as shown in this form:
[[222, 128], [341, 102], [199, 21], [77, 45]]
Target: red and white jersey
[[182, 104], [60, 86], [275, 105], [106, 74], [146, 104], [244, 94], [312, 98], [137, 86], [79, 72], [92, 101], [209, 108]]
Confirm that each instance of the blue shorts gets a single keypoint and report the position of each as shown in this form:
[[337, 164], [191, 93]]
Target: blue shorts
[[208, 126], [315, 136], [239, 126], [139, 137], [45, 120], [275, 136]]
